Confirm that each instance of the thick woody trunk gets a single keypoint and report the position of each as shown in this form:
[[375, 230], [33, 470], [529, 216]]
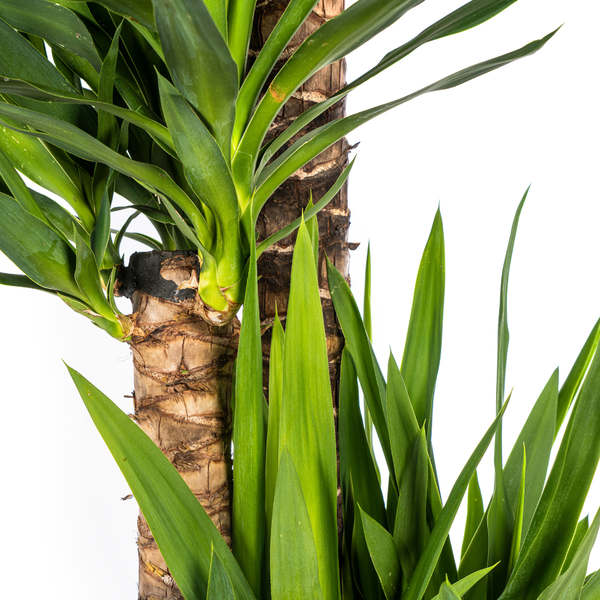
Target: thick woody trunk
[[182, 400], [288, 202]]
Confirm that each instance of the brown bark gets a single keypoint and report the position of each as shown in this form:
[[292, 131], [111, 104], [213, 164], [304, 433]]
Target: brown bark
[[182, 400], [288, 202]]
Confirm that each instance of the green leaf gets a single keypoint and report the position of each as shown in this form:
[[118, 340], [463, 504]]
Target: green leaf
[[200, 64], [555, 520], [79, 143], [37, 249], [34, 160], [364, 574], [447, 592], [383, 554], [573, 381], [143, 239], [568, 586], [219, 584], [54, 23], [369, 373], [464, 585], [101, 234], [369, 330], [23, 281], [158, 132], [582, 529], [475, 560], [248, 510], [292, 18], [500, 517], [114, 328], [306, 423], [591, 591], [208, 174], [355, 456], [330, 42], [358, 479], [401, 420], [136, 10], [423, 346], [18, 189], [410, 529], [537, 436], [62, 220], [467, 16], [185, 534], [312, 225], [312, 144], [294, 554], [20, 60], [152, 213], [275, 394], [515, 545], [474, 513], [238, 22], [88, 279], [427, 563]]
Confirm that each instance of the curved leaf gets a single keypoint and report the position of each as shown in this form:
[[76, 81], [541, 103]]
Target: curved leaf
[[185, 534], [383, 554], [79, 143], [200, 64], [54, 23], [423, 346], [555, 520], [312, 144], [248, 508], [37, 249], [306, 424], [294, 555], [427, 563]]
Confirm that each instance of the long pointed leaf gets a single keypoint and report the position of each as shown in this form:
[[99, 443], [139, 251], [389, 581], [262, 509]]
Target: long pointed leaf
[[249, 442], [573, 381], [275, 395], [423, 347], [54, 23], [76, 141], [200, 63], [555, 520], [410, 529], [537, 437], [312, 144], [219, 584], [185, 534], [369, 373], [307, 428], [294, 554], [37, 249], [568, 586], [383, 554], [426, 565], [474, 513]]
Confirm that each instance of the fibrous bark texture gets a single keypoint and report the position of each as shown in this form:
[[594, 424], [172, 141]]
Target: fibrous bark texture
[[183, 369], [317, 177]]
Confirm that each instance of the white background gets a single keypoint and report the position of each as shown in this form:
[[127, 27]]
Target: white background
[[472, 150]]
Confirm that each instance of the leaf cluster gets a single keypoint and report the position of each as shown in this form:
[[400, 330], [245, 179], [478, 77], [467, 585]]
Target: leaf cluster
[[528, 542], [156, 101]]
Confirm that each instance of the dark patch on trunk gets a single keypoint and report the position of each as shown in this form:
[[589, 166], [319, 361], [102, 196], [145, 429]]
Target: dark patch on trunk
[[146, 270]]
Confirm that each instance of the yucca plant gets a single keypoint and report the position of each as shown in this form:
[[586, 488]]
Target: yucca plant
[[527, 542], [157, 102]]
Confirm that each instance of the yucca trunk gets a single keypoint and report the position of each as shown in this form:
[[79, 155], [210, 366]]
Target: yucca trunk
[[317, 177], [183, 369]]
